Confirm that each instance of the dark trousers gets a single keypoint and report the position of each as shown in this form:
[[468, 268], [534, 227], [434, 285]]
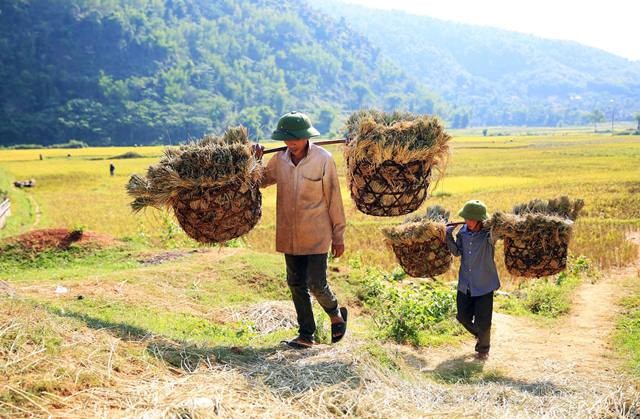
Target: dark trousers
[[306, 275], [474, 313]]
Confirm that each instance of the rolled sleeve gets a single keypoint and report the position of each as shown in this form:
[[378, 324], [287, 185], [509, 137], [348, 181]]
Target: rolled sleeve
[[269, 177]]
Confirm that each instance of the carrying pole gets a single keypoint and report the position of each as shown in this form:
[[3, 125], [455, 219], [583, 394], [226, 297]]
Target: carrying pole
[[325, 142], [457, 223]]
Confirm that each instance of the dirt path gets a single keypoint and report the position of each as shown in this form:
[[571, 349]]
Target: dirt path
[[578, 343], [576, 346]]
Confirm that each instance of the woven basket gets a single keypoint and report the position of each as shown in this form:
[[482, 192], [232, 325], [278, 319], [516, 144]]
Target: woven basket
[[529, 260], [424, 259], [388, 189], [218, 214]]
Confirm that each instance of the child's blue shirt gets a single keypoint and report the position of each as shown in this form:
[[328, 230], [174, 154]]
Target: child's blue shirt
[[478, 274]]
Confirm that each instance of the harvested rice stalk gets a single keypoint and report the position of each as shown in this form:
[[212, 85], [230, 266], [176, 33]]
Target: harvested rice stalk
[[391, 159], [562, 207], [419, 243], [211, 184], [537, 235]]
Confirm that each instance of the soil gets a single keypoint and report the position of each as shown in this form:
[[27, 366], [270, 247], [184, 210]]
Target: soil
[[60, 238], [576, 346]]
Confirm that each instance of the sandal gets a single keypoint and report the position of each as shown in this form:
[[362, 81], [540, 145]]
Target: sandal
[[339, 329], [298, 343]]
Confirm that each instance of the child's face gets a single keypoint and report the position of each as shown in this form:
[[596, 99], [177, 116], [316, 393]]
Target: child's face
[[472, 224]]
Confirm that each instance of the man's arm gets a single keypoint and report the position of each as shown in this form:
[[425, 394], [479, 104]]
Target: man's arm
[[269, 177], [333, 198]]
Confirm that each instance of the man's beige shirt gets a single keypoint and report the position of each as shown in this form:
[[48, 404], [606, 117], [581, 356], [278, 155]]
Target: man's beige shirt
[[309, 211]]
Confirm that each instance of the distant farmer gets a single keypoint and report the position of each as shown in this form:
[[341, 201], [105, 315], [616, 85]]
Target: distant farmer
[[309, 220], [478, 276], [112, 169]]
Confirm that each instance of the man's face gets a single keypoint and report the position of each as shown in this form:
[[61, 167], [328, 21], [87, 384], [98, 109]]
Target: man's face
[[296, 146]]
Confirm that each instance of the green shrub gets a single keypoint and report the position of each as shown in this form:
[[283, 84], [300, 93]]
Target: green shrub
[[552, 296], [26, 146], [128, 155], [70, 144], [405, 314], [414, 311], [547, 299]]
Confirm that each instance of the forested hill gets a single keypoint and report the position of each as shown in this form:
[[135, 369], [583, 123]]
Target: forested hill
[[125, 72], [496, 76]]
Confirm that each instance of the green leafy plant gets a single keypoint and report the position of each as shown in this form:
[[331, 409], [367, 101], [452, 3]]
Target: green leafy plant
[[407, 314]]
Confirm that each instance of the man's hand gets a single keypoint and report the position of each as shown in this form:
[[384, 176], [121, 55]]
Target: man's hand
[[337, 250], [258, 150]]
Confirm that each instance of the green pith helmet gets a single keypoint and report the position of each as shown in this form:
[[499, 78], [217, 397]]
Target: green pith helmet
[[474, 210], [294, 126]]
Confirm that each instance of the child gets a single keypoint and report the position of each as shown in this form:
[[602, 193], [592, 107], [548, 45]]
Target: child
[[478, 276], [309, 221]]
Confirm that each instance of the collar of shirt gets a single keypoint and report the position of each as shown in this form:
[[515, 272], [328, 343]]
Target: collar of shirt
[[287, 155]]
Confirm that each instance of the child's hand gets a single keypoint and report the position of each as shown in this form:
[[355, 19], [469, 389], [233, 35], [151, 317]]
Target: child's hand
[[451, 228]]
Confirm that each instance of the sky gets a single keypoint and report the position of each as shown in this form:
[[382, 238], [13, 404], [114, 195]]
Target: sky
[[611, 25]]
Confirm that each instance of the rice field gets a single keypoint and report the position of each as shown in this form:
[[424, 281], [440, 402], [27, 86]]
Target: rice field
[[134, 336], [74, 189]]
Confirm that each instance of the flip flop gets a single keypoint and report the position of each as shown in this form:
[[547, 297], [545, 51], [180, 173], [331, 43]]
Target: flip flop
[[339, 329], [297, 343]]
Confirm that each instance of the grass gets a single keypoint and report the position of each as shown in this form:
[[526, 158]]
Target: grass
[[420, 314], [501, 171], [22, 209], [138, 320], [76, 262], [549, 297], [156, 338], [627, 335]]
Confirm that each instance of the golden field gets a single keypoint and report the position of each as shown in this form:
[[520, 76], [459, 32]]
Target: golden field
[[604, 170]]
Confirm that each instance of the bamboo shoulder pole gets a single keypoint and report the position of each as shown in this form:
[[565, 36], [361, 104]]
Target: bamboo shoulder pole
[[457, 223], [325, 142]]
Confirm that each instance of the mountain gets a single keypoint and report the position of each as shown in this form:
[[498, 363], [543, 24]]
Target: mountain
[[494, 76], [147, 71]]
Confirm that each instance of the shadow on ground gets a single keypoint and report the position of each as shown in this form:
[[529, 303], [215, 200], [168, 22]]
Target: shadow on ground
[[466, 369], [286, 372]]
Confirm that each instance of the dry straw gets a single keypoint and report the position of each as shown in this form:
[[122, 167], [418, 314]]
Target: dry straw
[[419, 243], [106, 373], [391, 159], [537, 235], [212, 186]]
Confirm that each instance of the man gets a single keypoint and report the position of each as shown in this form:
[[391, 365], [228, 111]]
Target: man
[[309, 220], [478, 276]]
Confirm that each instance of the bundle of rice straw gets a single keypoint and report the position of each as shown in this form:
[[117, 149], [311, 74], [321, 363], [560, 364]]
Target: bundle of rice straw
[[419, 243], [212, 186], [536, 235], [391, 158]]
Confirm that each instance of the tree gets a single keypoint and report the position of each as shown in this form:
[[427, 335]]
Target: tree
[[637, 117], [325, 120], [595, 117], [394, 101], [361, 91], [148, 71]]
